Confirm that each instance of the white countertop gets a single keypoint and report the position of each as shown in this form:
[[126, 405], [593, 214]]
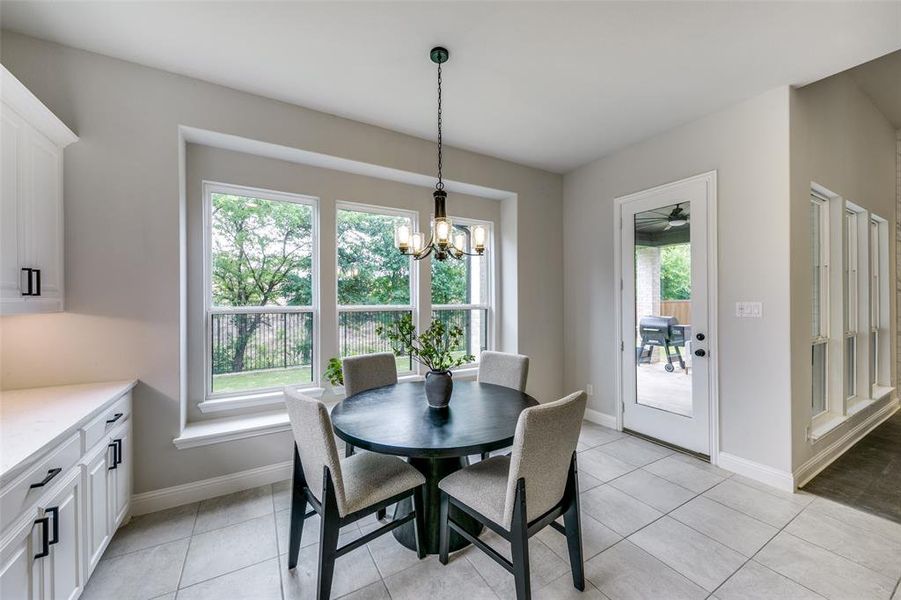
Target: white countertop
[[33, 420]]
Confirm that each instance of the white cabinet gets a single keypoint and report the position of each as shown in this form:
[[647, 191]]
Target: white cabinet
[[99, 520], [62, 569], [31, 201], [62, 506], [20, 571]]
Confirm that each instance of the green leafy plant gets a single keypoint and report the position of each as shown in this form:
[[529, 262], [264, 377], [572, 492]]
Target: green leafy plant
[[333, 372], [436, 347]]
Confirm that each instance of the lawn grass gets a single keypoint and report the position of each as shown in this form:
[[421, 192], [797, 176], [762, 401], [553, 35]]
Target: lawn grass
[[262, 379]]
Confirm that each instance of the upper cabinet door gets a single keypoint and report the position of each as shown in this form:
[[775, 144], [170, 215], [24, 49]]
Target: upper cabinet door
[[12, 134], [46, 222], [31, 201]]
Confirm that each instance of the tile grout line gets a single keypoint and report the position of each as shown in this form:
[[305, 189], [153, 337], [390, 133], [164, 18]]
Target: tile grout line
[[278, 557], [187, 551]]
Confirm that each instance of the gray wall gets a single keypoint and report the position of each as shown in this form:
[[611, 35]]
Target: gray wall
[[748, 147], [841, 141], [122, 239]]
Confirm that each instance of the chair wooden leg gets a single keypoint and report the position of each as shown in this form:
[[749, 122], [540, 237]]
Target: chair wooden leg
[[328, 538], [519, 544], [572, 522], [419, 521], [298, 511], [443, 533]]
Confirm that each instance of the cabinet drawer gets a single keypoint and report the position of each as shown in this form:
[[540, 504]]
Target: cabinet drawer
[[114, 415], [25, 491]]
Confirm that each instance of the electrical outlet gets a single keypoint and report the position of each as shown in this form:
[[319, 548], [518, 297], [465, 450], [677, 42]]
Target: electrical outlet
[[589, 389]]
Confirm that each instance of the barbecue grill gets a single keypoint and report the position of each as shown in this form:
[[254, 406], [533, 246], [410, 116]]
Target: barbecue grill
[[661, 332]]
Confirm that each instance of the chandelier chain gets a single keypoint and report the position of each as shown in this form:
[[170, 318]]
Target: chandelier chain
[[440, 184]]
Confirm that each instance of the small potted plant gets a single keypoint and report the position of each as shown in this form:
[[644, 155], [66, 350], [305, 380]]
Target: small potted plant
[[334, 374], [433, 348]]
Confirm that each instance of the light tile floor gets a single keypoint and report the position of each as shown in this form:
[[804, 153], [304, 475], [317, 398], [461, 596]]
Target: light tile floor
[[655, 525]]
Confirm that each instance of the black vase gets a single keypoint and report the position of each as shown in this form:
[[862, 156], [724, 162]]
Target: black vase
[[439, 385]]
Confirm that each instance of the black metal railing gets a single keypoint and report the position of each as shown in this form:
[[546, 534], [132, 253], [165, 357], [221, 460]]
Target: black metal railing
[[244, 342], [357, 335], [473, 322]]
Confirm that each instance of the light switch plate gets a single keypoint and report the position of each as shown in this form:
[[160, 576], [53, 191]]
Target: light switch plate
[[749, 310]]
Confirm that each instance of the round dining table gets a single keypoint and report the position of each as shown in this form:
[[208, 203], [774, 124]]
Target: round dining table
[[397, 420]]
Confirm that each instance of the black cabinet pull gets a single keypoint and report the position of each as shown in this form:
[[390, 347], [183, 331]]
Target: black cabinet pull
[[118, 443], [55, 512], [115, 418], [115, 464], [28, 281], [44, 522], [37, 287], [50, 475]]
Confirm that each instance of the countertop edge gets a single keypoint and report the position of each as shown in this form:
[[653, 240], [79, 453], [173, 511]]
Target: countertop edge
[[12, 473]]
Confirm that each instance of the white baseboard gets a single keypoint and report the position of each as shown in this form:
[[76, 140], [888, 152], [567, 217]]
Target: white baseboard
[[771, 476], [596, 416], [824, 458], [178, 495]]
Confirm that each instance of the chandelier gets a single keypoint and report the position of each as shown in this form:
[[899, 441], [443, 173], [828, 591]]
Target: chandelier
[[445, 240]]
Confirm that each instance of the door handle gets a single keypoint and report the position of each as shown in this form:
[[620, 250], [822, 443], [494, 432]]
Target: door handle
[[37, 286], [29, 282], [700, 352], [118, 443], [55, 537], [44, 522], [115, 456]]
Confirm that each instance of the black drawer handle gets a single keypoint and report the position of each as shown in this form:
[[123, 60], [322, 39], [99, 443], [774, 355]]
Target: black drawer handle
[[55, 512], [44, 522], [37, 273], [50, 475], [115, 418], [118, 443]]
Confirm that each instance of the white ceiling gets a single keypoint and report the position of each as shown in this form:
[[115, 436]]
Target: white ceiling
[[553, 85]]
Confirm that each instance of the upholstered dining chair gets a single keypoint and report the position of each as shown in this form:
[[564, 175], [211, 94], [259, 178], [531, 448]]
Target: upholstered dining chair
[[342, 491], [517, 496], [503, 368], [366, 372]]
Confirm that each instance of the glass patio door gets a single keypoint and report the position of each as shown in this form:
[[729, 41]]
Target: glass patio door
[[665, 314]]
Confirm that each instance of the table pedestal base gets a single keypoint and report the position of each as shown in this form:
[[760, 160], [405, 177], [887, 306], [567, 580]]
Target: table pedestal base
[[434, 470]]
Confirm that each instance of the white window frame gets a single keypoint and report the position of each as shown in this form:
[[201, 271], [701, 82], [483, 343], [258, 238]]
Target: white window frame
[[412, 307], [822, 203], [489, 307], [851, 284], [880, 383], [258, 395]]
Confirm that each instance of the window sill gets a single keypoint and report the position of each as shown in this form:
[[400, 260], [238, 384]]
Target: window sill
[[227, 429], [276, 398], [881, 391], [826, 425]]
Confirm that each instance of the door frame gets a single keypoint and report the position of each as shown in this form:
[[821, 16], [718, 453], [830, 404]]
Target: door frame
[[712, 294]]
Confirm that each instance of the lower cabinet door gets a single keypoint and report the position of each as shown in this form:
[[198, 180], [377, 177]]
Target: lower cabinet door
[[63, 576], [97, 501], [122, 474], [20, 572]]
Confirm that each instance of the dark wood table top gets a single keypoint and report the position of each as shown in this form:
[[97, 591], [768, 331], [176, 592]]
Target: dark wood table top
[[396, 419]]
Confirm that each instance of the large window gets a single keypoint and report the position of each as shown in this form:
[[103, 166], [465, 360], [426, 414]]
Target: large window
[[259, 276], [375, 286], [461, 292], [819, 253]]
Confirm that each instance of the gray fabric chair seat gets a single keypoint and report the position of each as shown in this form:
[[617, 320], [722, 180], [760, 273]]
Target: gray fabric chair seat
[[482, 487], [370, 478]]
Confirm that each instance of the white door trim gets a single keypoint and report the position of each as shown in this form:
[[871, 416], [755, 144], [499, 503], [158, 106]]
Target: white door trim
[[712, 287]]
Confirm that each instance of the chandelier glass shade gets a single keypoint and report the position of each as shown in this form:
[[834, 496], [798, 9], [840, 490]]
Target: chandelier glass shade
[[444, 240]]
